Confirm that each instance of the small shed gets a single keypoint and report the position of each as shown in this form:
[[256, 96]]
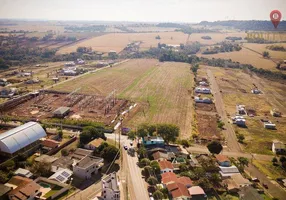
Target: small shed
[[61, 112]]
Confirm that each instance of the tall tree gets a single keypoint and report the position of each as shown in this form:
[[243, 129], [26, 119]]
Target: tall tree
[[215, 147]]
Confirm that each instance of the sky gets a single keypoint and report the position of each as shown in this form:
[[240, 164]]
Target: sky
[[141, 10]]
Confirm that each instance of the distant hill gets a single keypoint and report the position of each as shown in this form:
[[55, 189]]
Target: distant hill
[[255, 25]]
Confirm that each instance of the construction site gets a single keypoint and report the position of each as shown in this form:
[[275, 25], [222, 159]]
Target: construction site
[[49, 104]]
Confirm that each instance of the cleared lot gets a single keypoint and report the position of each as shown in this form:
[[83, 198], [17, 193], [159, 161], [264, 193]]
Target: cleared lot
[[235, 86]]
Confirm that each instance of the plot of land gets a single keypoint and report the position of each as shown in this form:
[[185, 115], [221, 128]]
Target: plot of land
[[246, 56], [119, 41], [162, 90], [236, 86], [215, 37], [277, 55]]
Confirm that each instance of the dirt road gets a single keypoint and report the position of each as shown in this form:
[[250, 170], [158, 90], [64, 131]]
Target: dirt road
[[229, 133]]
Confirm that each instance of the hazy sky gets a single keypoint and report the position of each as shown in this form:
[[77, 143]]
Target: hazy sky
[[141, 10]]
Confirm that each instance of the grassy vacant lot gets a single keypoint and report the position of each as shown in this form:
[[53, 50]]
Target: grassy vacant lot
[[246, 56], [236, 86], [162, 90], [269, 169]]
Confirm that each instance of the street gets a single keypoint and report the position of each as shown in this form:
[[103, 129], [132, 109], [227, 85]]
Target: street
[[229, 133]]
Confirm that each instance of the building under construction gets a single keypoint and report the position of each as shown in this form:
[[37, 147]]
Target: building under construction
[[46, 104]]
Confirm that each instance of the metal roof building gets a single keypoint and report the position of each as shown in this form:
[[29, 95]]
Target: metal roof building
[[20, 137]]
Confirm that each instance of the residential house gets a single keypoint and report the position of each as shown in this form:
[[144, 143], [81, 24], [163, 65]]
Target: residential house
[[166, 166], [278, 147], [61, 112], [110, 187], [186, 181], [178, 191], [4, 190], [159, 156], [88, 166], [153, 140], [223, 160], [193, 161], [236, 182], [94, 144], [23, 172], [197, 193], [168, 178], [25, 192], [80, 153], [65, 162], [227, 172], [17, 181], [202, 90], [49, 144], [62, 176], [238, 120]]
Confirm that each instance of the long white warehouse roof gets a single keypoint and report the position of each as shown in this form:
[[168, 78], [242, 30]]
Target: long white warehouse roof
[[20, 137]]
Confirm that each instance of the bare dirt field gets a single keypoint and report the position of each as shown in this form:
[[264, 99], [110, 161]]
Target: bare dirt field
[[207, 125], [151, 29], [118, 41], [96, 108], [236, 86], [162, 90]]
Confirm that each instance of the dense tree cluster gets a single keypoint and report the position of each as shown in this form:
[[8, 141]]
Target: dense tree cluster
[[93, 28], [222, 47], [276, 48], [263, 25], [89, 133]]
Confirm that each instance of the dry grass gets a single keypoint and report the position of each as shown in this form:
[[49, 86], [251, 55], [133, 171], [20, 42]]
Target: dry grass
[[162, 91], [216, 37], [151, 29], [277, 55], [235, 86], [246, 56], [117, 41]]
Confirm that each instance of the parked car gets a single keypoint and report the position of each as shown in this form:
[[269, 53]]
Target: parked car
[[265, 186], [125, 147], [255, 179]]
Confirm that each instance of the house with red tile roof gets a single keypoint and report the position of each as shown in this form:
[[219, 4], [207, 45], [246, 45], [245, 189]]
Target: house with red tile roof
[[170, 177], [178, 191], [50, 144], [166, 166], [223, 160], [197, 192], [186, 181]]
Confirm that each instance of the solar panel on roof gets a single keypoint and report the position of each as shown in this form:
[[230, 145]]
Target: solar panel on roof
[[60, 178], [65, 174]]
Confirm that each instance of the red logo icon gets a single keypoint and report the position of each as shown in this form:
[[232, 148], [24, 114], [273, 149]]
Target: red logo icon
[[275, 17]]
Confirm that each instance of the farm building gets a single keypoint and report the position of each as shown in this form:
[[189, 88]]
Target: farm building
[[23, 137], [278, 147], [269, 125], [203, 90], [70, 64], [7, 92], [3, 82], [61, 112], [238, 120]]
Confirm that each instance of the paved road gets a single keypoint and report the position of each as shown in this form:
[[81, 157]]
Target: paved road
[[273, 188], [229, 133], [137, 183]]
